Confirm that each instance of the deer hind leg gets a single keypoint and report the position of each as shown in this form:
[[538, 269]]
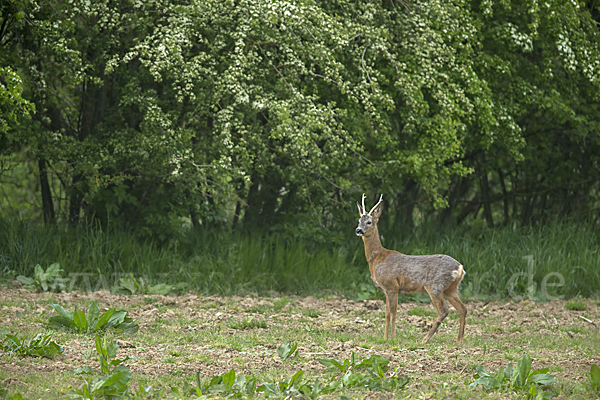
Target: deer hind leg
[[393, 307], [442, 309], [452, 296]]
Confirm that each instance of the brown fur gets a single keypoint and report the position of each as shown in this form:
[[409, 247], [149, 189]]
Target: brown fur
[[393, 272]]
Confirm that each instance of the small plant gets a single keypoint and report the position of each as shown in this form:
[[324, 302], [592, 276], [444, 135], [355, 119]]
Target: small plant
[[296, 387], [42, 279], [521, 379], [421, 312], [226, 384], [39, 346], [4, 393], [130, 285], [593, 383], [375, 379], [576, 305], [366, 291], [287, 351], [93, 321], [279, 304], [247, 323], [312, 313], [113, 384]]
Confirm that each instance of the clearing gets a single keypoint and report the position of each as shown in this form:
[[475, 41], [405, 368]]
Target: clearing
[[181, 335]]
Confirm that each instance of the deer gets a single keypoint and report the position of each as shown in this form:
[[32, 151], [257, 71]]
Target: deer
[[393, 272]]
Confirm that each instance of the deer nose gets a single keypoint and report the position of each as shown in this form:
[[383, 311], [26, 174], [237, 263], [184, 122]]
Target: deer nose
[[359, 231]]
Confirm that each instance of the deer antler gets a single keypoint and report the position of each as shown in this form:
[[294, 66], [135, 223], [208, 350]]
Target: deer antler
[[363, 205], [381, 198]]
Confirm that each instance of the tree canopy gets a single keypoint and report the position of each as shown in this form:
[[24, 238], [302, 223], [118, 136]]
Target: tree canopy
[[282, 113]]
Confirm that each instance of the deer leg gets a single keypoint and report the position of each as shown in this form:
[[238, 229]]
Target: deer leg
[[440, 306], [387, 316], [453, 298], [393, 303]]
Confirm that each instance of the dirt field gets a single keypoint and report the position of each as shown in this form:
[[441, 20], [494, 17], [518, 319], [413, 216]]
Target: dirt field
[[181, 335]]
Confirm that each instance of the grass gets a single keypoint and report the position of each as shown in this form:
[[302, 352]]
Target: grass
[[576, 305], [541, 263], [169, 354]]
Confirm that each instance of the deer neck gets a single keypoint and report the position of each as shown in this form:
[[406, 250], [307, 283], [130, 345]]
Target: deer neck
[[374, 250]]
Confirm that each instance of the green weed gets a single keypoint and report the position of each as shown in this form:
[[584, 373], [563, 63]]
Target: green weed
[[247, 323], [92, 322], [521, 379], [576, 305], [421, 312], [39, 346], [287, 351], [130, 285], [42, 280], [593, 380], [113, 384], [279, 304]]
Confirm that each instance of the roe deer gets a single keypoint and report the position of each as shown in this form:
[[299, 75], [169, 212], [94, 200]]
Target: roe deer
[[438, 275]]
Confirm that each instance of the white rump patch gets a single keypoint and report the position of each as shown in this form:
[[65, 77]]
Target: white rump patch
[[459, 273]]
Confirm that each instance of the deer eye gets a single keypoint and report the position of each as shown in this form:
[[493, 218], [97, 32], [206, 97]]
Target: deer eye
[[369, 223]]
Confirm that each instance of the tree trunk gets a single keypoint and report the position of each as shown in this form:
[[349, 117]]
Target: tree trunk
[[485, 195], [505, 198], [47, 203]]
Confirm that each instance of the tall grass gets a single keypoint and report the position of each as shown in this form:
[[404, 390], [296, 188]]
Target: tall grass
[[542, 262], [499, 262], [210, 262]]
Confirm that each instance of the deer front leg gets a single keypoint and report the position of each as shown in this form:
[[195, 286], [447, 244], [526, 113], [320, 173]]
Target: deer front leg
[[440, 306], [387, 316]]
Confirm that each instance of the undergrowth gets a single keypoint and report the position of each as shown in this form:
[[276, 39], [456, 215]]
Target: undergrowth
[[557, 259]]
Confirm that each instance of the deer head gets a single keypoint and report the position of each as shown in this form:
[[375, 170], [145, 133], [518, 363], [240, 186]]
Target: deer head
[[368, 220]]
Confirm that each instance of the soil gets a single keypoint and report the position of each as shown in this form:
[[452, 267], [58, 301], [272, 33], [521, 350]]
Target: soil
[[510, 321]]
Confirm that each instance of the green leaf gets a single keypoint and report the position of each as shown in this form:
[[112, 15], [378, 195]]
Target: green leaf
[[99, 348], [103, 320], [542, 379], [92, 315], [296, 379], [111, 349], [229, 378], [80, 321], [83, 370], [328, 362], [161, 288], [286, 350], [240, 382], [116, 318], [595, 374], [508, 372], [52, 271], [61, 311], [128, 327], [488, 382], [25, 280], [532, 390], [524, 367], [38, 273], [120, 375], [58, 322]]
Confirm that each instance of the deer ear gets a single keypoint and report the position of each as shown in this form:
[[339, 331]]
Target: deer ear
[[376, 213], [376, 210]]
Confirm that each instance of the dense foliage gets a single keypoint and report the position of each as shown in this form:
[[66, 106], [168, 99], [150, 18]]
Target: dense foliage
[[280, 113]]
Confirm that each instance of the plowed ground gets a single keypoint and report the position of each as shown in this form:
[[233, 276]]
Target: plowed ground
[[182, 335]]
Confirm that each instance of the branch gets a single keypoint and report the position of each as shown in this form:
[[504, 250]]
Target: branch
[[363, 62]]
